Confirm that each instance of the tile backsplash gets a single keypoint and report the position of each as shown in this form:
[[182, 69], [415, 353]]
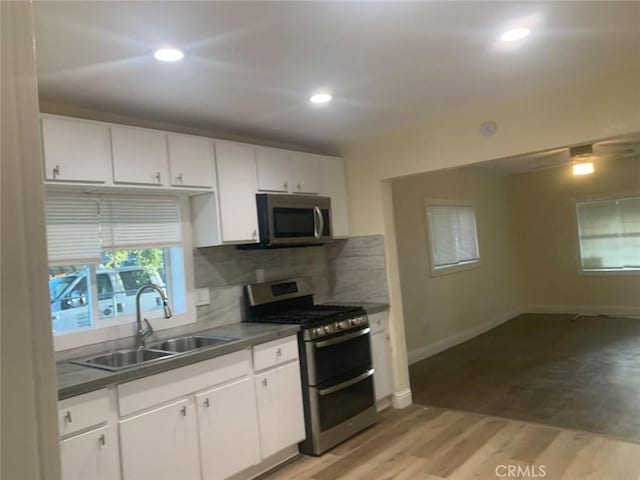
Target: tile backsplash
[[347, 270]]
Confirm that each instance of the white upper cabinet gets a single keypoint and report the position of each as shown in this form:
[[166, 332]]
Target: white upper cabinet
[[139, 156], [304, 173], [334, 185], [75, 150], [273, 169], [236, 173], [191, 161]]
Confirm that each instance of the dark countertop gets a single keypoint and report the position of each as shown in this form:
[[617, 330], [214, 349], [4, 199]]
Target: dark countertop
[[76, 379], [369, 307]]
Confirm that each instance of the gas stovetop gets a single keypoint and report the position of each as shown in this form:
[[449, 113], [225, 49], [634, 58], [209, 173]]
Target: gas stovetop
[[313, 315]]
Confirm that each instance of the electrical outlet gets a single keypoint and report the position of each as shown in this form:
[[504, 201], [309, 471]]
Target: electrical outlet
[[202, 297]]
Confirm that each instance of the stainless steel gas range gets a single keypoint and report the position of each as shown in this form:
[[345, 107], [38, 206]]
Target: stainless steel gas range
[[335, 359]]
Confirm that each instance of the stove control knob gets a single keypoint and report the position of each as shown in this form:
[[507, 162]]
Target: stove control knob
[[344, 324], [319, 331], [328, 329], [352, 321]]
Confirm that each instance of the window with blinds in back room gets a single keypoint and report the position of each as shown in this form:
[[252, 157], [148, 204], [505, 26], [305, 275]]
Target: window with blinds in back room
[[609, 234], [453, 238]]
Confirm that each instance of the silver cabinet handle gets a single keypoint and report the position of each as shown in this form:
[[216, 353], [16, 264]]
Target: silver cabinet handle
[[179, 178], [56, 171], [348, 383], [157, 175], [264, 382], [207, 403], [286, 185], [299, 187], [279, 352], [67, 417], [254, 234], [183, 410], [102, 440], [343, 338]]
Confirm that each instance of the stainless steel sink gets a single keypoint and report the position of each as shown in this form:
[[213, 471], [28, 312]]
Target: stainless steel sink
[[121, 359], [194, 342]]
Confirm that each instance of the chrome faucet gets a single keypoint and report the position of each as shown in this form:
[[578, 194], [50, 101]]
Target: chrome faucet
[[144, 332]]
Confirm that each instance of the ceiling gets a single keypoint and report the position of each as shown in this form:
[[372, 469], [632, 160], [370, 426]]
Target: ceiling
[[604, 150], [249, 68]]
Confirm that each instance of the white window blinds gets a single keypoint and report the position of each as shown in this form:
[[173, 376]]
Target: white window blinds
[[609, 234], [81, 226], [72, 229], [453, 237], [136, 221]]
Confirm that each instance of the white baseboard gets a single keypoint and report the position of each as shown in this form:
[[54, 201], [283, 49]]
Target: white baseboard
[[612, 310], [453, 340], [402, 399]]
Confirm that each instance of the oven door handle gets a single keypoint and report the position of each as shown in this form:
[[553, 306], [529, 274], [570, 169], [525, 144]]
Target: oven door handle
[[348, 383], [344, 338]]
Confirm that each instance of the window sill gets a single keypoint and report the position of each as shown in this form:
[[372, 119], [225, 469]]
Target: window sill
[[612, 272], [461, 267]]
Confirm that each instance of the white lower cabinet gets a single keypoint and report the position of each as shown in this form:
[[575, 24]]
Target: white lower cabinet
[[228, 427], [381, 355], [161, 443], [280, 413], [381, 364], [91, 455]]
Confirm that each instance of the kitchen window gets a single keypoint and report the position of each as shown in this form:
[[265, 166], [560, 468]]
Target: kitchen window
[[453, 238], [609, 235], [102, 249]]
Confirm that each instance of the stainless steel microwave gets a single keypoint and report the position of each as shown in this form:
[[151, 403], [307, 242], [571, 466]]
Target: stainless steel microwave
[[293, 220]]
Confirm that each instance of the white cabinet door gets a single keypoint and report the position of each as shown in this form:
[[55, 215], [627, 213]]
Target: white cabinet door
[[280, 414], [381, 356], [228, 426], [91, 455], [273, 167], [304, 173], [334, 185], [236, 171], [139, 156], [161, 444], [191, 161], [75, 150]]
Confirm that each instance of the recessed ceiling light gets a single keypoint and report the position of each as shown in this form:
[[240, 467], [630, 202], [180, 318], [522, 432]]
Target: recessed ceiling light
[[583, 168], [320, 98], [515, 34], [168, 55]]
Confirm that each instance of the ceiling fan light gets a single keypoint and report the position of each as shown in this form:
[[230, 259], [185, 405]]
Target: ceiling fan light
[[585, 168]]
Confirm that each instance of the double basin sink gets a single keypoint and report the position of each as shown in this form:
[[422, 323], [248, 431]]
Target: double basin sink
[[121, 359]]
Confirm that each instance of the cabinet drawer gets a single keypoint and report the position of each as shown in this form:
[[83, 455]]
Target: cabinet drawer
[[84, 411], [275, 352]]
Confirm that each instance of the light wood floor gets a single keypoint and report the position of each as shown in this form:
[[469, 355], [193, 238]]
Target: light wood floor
[[424, 443]]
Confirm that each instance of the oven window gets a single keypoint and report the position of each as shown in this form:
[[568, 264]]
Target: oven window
[[337, 407], [293, 222], [341, 358]]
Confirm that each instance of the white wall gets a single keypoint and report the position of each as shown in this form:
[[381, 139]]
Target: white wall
[[543, 216], [441, 310], [596, 109], [29, 414]]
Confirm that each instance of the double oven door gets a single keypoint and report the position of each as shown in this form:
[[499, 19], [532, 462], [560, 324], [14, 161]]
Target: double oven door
[[341, 399]]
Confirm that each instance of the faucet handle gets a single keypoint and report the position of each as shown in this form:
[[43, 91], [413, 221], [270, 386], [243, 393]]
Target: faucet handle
[[148, 331]]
